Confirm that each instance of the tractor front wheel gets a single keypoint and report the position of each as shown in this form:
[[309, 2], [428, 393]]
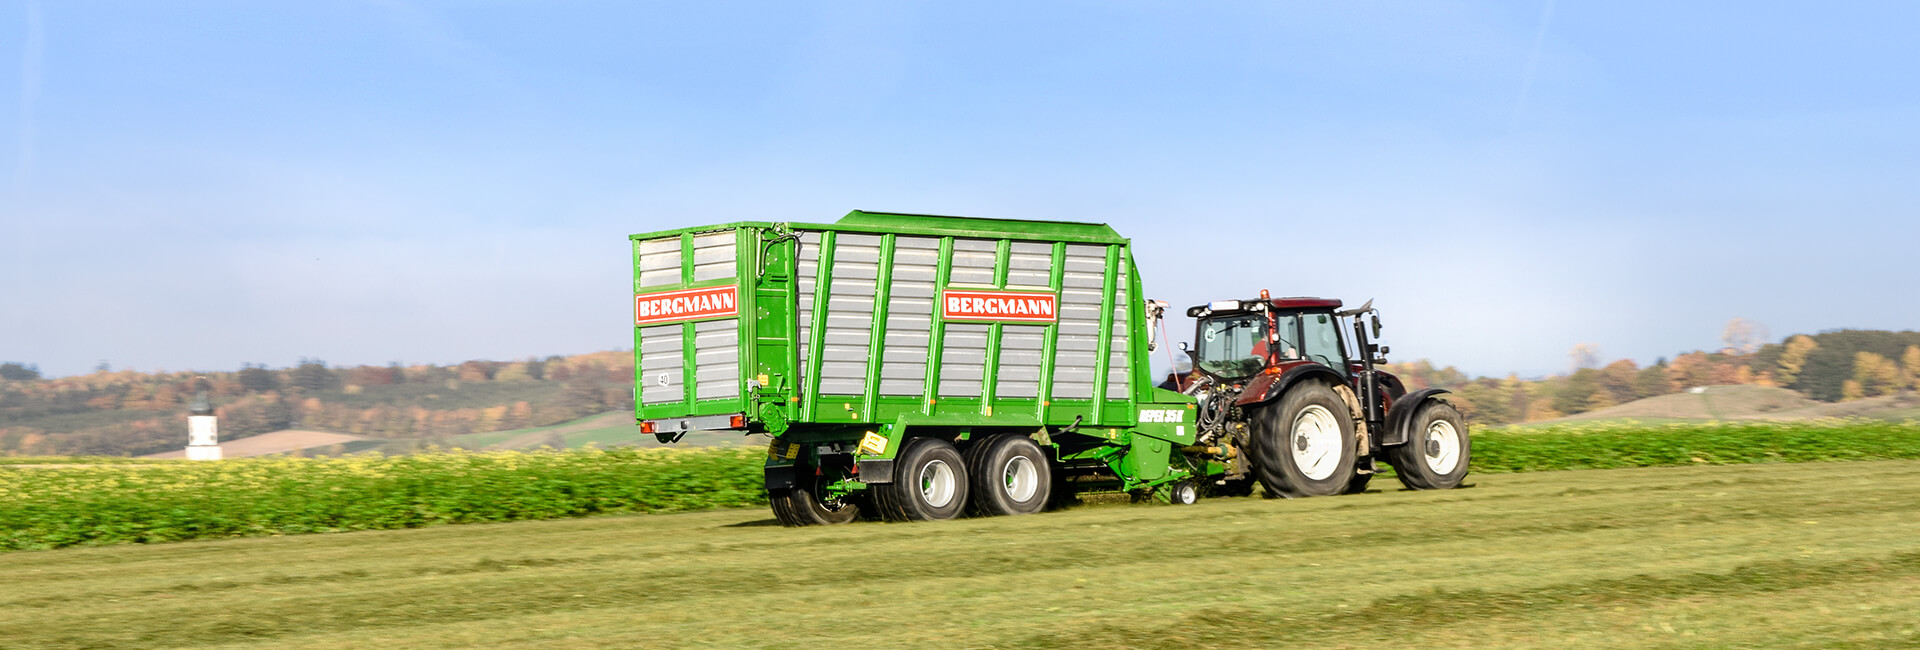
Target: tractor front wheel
[[1436, 454], [1303, 445]]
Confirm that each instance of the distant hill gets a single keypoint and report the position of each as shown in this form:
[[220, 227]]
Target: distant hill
[[606, 430], [132, 413], [1751, 402]]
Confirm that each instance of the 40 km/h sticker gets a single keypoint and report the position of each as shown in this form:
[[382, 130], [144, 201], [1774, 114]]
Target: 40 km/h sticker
[[686, 304], [873, 443]]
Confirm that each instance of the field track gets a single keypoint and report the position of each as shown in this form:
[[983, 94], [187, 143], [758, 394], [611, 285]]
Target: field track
[[1734, 555]]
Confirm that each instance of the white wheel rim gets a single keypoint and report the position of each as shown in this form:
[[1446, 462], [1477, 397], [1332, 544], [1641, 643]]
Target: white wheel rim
[[1442, 447], [1186, 494], [1315, 442], [936, 484], [1020, 479]]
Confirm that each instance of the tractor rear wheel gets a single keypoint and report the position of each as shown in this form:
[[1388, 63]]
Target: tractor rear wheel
[[1010, 476], [1303, 445], [929, 482], [1436, 454], [797, 506]]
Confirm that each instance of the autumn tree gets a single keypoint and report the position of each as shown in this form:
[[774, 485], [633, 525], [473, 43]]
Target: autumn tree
[[312, 374], [1652, 380], [478, 370], [257, 379], [16, 371], [1584, 355], [1744, 336], [1794, 358], [1577, 394], [1875, 374], [1910, 368], [1487, 402], [1618, 381]]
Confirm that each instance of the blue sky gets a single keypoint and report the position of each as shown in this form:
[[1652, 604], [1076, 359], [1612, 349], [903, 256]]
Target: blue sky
[[202, 184]]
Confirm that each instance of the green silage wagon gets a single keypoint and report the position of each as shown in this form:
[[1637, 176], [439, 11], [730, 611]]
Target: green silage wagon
[[911, 366]]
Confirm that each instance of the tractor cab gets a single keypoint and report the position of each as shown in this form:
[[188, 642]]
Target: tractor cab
[[1235, 340]]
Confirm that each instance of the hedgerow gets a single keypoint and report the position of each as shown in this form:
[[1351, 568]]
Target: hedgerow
[[1627, 444], [67, 506], [60, 505]]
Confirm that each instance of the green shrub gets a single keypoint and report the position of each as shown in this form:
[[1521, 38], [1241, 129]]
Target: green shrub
[[114, 503], [1601, 446]]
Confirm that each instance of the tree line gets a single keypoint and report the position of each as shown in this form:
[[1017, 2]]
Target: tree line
[[133, 413], [1833, 366]]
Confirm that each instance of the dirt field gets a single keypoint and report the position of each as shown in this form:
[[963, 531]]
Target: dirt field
[[278, 442], [1769, 555], [1748, 402]]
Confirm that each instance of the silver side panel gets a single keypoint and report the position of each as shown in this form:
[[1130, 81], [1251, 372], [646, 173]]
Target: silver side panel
[[1021, 353], [713, 256], [1079, 344], [661, 365], [903, 369], [973, 261], [1030, 266], [808, 267], [1117, 359], [963, 359], [659, 262], [716, 359], [849, 323]]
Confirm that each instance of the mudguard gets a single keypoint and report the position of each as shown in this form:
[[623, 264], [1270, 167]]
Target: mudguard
[[1400, 416], [1266, 388]]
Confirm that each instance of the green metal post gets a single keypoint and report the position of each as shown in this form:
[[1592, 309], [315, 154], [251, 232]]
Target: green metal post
[[937, 333], [1055, 278], [822, 284], [876, 352], [990, 367], [1105, 344], [687, 355]]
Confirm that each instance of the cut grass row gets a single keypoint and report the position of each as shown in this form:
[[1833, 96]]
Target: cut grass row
[[1759, 555], [112, 503]]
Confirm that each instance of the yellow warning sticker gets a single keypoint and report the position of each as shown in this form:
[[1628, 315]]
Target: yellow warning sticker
[[873, 443]]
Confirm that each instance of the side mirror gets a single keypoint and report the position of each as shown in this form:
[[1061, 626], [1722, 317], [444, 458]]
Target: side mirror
[[1376, 325]]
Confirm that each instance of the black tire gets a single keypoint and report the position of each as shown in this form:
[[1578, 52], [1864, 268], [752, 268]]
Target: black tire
[[1010, 476], [1309, 419], [1424, 463], [1183, 493], [929, 482], [797, 506]]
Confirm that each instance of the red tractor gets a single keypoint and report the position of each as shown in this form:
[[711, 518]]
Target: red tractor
[[1288, 399]]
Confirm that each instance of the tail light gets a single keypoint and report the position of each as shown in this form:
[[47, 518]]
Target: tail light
[[737, 422], [646, 427]]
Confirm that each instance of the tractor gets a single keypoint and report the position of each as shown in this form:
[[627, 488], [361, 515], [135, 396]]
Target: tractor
[[1286, 398]]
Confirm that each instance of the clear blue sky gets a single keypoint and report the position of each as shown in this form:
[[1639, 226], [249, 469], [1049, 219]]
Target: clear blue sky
[[201, 184]]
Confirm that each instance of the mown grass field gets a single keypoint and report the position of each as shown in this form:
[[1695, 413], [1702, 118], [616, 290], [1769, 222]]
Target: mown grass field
[[1769, 555]]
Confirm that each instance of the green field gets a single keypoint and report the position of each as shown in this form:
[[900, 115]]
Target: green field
[[1770, 554]]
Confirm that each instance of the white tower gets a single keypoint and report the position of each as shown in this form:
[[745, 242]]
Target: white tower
[[203, 430]]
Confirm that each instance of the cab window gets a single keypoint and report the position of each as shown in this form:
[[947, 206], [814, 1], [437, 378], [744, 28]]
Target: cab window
[[1322, 340]]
